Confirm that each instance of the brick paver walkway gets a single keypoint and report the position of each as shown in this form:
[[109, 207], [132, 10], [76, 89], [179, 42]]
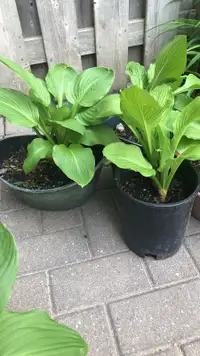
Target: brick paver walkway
[[75, 265]]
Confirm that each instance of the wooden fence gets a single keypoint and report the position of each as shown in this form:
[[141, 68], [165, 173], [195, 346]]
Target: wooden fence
[[83, 33]]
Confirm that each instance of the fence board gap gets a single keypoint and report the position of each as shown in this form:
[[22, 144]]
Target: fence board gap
[[158, 12], [60, 33], [111, 31]]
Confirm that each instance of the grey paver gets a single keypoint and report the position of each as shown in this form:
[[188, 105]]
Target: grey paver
[[48, 251], [176, 268], [193, 245], [103, 224], [61, 220], [8, 200], [157, 318], [23, 223], [172, 351], [93, 327], [98, 281], [192, 349], [193, 227], [30, 292]]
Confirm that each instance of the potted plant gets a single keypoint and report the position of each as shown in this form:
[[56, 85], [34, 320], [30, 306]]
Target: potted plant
[[156, 183], [34, 332], [66, 112]]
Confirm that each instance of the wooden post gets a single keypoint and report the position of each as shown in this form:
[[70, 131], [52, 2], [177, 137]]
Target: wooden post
[[111, 33], [158, 12], [60, 33], [12, 47]]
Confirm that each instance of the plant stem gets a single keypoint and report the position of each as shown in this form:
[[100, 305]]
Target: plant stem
[[73, 113], [46, 134], [162, 191], [37, 132]]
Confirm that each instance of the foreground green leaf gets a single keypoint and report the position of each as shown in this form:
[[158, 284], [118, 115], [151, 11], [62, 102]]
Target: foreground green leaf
[[59, 78], [72, 124], [128, 157], [90, 86], [98, 113], [98, 135], [137, 74], [35, 333], [18, 108], [38, 149], [76, 162], [37, 85], [181, 101], [8, 269], [171, 62], [192, 82]]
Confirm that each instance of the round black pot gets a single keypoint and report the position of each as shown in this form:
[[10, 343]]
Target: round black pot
[[62, 198], [155, 230]]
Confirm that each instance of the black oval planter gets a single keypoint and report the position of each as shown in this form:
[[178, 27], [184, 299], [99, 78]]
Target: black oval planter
[[155, 230], [62, 198]]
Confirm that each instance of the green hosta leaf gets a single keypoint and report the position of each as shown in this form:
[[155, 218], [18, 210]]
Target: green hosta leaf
[[128, 157], [76, 162], [163, 95], [165, 148], [185, 143], [37, 85], [151, 72], [98, 135], [59, 78], [137, 74], [96, 114], [193, 131], [181, 101], [35, 333], [8, 267], [72, 124], [90, 86], [189, 115], [192, 82], [38, 149], [139, 108], [61, 113], [18, 108], [171, 61]]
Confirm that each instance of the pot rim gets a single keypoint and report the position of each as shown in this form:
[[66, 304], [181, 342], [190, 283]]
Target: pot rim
[[162, 205], [42, 191]]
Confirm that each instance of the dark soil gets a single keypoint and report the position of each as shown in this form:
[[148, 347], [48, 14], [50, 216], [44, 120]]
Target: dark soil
[[143, 189], [127, 134], [46, 175]]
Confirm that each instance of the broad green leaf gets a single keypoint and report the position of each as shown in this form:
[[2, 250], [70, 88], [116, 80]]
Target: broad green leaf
[[193, 131], [90, 86], [128, 157], [72, 124], [98, 135], [8, 267], [96, 114], [37, 85], [59, 78], [137, 74], [139, 108], [171, 62], [38, 149], [35, 333], [189, 115], [185, 143], [151, 72], [163, 95], [181, 101], [76, 162], [61, 113], [164, 145], [192, 82], [18, 108]]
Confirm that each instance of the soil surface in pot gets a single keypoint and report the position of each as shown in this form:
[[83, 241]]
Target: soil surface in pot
[[143, 189], [46, 175], [122, 130]]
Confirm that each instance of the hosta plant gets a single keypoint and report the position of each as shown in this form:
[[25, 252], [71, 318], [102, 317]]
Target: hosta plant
[[67, 112], [34, 332], [161, 132]]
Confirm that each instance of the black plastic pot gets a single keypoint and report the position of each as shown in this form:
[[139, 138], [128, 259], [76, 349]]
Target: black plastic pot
[[62, 198], [155, 230]]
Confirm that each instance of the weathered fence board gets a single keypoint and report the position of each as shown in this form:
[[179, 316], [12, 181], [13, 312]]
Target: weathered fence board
[[158, 12], [28, 17], [111, 30], [11, 46], [137, 9], [60, 33], [85, 15]]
